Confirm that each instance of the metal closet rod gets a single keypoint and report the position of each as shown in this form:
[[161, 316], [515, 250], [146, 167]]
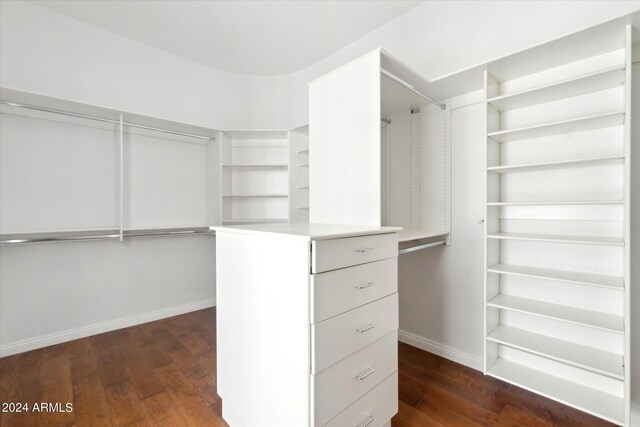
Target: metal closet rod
[[420, 247], [412, 89], [9, 239], [102, 119]]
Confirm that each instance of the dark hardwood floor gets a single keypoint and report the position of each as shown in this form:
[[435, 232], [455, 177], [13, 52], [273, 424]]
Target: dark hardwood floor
[[164, 373]]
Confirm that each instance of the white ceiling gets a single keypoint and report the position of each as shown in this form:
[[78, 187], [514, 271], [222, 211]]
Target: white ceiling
[[247, 37]]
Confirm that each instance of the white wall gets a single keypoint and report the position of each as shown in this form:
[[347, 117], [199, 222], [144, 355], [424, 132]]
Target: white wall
[[50, 54], [55, 292], [635, 239]]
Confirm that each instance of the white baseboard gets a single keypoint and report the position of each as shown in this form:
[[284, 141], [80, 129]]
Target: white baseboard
[[440, 349], [98, 328], [635, 414]]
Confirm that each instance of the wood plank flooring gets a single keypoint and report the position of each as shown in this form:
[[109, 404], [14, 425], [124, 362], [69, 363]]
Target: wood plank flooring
[[163, 373]]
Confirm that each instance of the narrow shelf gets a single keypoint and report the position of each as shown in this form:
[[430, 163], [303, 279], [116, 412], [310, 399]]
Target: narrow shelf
[[589, 161], [561, 127], [255, 166], [585, 398], [303, 187], [586, 240], [255, 195], [409, 235], [578, 316], [303, 151], [303, 165], [559, 203], [302, 207], [594, 360], [611, 282], [588, 83]]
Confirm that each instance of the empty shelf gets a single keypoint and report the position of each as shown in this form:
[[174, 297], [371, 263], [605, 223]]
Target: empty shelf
[[249, 221], [255, 195], [586, 240], [587, 399], [255, 166], [303, 151], [565, 313], [302, 207], [598, 280], [593, 82], [559, 203], [589, 161], [591, 359], [303, 165], [561, 127], [303, 187], [409, 235]]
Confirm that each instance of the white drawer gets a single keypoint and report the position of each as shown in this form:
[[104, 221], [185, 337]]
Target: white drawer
[[337, 291], [336, 338], [374, 409], [338, 253], [340, 385]]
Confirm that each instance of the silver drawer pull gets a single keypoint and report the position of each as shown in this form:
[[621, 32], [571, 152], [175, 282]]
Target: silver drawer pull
[[365, 328], [364, 285], [365, 422], [364, 373], [364, 250]]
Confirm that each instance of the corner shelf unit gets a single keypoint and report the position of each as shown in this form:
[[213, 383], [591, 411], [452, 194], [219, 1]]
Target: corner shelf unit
[[557, 298], [255, 177], [299, 180]]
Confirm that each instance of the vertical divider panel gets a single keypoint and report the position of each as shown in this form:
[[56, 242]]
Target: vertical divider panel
[[627, 219], [120, 175]]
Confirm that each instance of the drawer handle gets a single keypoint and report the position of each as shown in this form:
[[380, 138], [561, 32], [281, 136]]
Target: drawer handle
[[365, 328], [364, 250], [364, 373], [366, 421], [364, 285]]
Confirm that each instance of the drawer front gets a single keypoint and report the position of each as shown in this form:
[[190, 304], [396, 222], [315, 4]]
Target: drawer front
[[338, 253], [374, 409], [337, 291], [340, 385], [336, 338]]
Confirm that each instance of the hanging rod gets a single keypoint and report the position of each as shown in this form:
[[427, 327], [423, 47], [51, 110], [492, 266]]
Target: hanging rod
[[102, 119], [412, 89], [420, 247], [69, 236]]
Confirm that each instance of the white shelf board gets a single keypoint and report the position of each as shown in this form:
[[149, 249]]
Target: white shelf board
[[303, 165], [586, 240], [591, 359], [302, 207], [588, 161], [303, 151], [559, 203], [409, 235], [255, 166], [578, 316], [598, 280], [561, 127], [587, 399], [303, 187], [592, 82], [255, 195]]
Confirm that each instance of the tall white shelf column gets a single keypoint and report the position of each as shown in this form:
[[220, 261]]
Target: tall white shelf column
[[557, 297]]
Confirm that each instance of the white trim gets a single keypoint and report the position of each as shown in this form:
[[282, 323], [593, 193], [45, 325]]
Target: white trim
[[440, 349], [98, 328], [634, 420]]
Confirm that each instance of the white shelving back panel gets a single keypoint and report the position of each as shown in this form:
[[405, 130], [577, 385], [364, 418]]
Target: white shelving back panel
[[56, 172]]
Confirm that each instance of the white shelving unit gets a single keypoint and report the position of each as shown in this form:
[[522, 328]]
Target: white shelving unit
[[380, 150], [255, 177], [299, 179], [557, 228]]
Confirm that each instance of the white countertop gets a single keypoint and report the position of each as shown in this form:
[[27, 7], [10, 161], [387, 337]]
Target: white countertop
[[307, 231]]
